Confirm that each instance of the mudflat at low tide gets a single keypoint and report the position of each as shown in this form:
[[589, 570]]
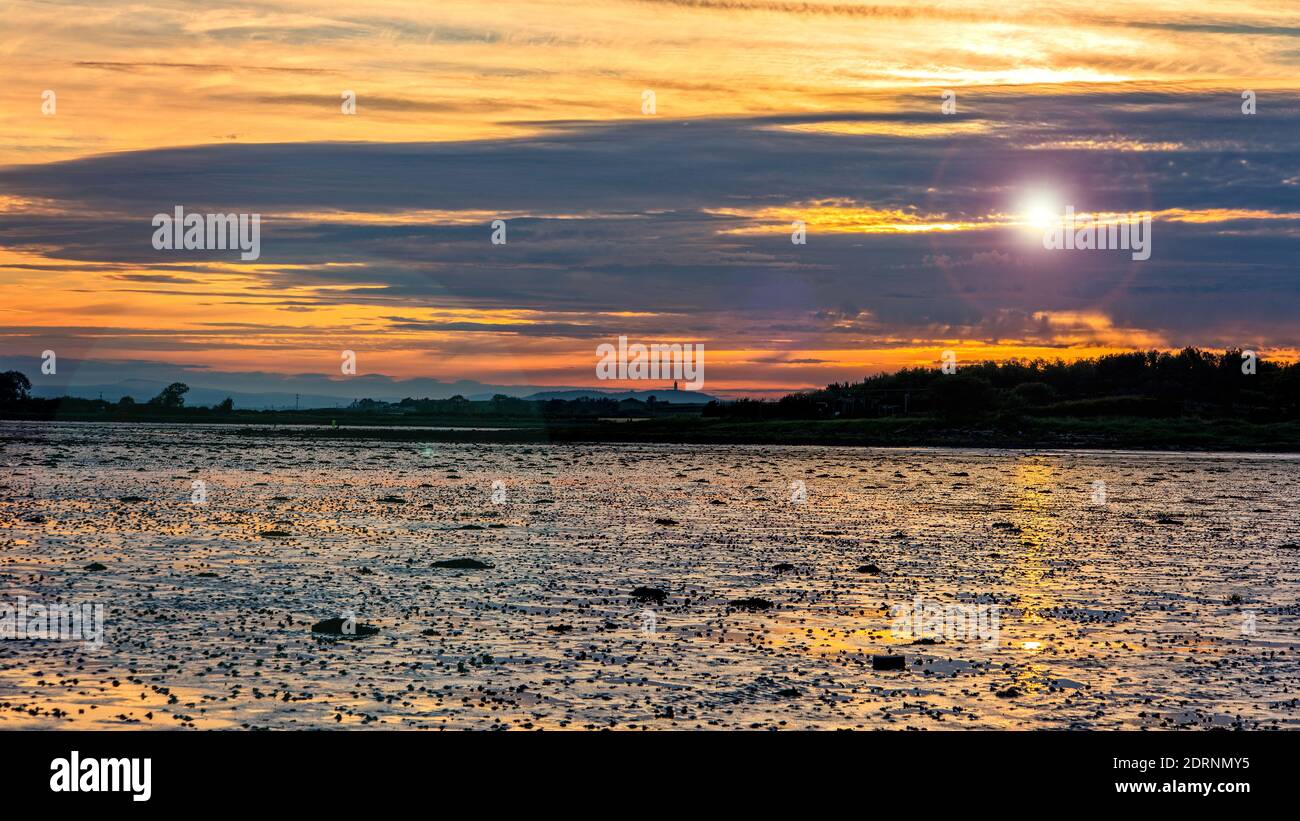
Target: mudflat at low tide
[[246, 582]]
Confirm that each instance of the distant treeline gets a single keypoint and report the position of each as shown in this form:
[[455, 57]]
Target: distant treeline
[[1190, 382], [510, 407], [169, 405]]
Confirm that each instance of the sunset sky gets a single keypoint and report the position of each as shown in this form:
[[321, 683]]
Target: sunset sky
[[923, 227]]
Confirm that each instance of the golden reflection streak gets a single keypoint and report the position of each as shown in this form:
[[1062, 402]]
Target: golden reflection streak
[[1030, 479]]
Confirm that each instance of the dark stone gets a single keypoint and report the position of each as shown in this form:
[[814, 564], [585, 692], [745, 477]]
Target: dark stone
[[650, 594], [560, 628], [207, 574], [751, 604], [96, 566], [888, 663], [1010, 692], [130, 500], [334, 627], [463, 564], [790, 692], [783, 567], [868, 568], [274, 534], [666, 521]]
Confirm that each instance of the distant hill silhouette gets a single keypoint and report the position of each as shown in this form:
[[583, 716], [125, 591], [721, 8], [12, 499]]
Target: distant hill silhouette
[[676, 397]]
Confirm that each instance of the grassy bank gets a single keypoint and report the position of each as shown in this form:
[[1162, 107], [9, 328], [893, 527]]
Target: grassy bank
[[1003, 431], [1115, 432]]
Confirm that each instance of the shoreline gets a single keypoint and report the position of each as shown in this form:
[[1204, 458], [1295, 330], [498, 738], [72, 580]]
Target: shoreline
[[1111, 433]]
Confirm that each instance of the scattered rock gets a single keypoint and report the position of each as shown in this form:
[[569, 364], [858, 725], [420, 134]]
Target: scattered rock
[[783, 567], [1010, 692], [342, 627], [560, 628], [463, 564], [753, 603], [650, 594], [790, 692]]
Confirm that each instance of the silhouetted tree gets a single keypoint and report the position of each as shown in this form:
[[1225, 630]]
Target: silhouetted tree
[[1034, 393], [960, 395], [172, 396], [14, 386]]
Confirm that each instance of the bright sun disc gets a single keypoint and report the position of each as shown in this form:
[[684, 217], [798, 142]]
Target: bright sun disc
[[1040, 211]]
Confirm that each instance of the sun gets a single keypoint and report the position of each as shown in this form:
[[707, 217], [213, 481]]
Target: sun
[[1040, 210]]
